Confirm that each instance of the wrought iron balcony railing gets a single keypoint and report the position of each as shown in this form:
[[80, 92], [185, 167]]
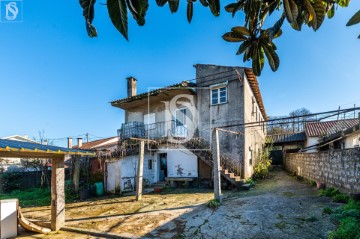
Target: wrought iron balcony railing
[[158, 130]]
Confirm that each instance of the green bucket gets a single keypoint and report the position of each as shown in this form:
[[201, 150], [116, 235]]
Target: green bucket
[[99, 188]]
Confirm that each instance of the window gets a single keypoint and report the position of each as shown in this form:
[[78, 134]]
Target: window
[[250, 156], [219, 96], [150, 164], [180, 123]]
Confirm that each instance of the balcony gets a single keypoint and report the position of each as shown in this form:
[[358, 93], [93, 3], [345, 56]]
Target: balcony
[[153, 131]]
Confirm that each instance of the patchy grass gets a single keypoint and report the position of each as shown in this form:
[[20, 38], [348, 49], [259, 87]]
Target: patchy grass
[[342, 198], [213, 204], [348, 217], [311, 219], [327, 210], [288, 194], [280, 225], [30, 197], [36, 197], [335, 194], [329, 192]]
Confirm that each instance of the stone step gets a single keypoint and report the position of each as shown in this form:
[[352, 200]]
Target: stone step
[[230, 175]]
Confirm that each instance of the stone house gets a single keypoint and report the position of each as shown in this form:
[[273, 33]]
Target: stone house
[[180, 119]]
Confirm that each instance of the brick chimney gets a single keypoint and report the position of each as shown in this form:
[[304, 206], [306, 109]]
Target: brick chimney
[[80, 142], [69, 143], [131, 86]]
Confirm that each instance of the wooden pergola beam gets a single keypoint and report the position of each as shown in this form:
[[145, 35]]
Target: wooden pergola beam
[[57, 183]]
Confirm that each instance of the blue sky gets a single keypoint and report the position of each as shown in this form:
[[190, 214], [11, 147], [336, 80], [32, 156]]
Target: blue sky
[[55, 78]]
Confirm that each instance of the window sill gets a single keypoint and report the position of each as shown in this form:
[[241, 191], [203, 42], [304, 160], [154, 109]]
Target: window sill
[[218, 104]]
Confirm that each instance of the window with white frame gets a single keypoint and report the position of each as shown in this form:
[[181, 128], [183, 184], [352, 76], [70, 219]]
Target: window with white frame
[[218, 95]]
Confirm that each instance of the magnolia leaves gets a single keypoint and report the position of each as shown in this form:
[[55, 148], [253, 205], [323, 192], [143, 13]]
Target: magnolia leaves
[[88, 13], [118, 12], [256, 46], [214, 6], [310, 12], [354, 20]]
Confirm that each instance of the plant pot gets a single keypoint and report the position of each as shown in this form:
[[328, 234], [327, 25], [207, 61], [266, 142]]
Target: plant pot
[[320, 185]]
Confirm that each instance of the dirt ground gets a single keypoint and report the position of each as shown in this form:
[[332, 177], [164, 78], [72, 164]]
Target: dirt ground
[[278, 207], [123, 215]]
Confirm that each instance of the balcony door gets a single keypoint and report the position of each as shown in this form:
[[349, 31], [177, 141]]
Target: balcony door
[[180, 123], [150, 126]]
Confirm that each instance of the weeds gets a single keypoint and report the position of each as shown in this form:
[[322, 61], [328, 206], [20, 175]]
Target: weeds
[[213, 204], [348, 217], [327, 210], [342, 198]]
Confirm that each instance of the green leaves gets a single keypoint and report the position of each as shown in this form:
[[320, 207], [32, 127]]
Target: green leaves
[[189, 10], [291, 10], [138, 9], [257, 44], [354, 20], [118, 14], [319, 9], [88, 13], [173, 5]]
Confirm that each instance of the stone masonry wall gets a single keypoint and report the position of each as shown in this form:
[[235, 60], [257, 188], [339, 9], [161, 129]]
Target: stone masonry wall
[[336, 168]]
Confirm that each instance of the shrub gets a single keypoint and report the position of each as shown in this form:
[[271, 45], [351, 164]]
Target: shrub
[[10, 181], [262, 164], [342, 198], [213, 204], [312, 183], [348, 217], [349, 228], [329, 192], [250, 181]]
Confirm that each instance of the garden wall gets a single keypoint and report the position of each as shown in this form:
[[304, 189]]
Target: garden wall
[[335, 168]]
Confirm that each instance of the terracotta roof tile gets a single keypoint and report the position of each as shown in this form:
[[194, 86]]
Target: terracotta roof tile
[[326, 128], [98, 143]]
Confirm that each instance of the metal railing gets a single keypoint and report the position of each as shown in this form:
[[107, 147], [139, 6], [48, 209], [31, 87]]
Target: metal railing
[[154, 131]]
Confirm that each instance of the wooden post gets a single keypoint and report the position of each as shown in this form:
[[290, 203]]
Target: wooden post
[[216, 160], [139, 177], [57, 194]]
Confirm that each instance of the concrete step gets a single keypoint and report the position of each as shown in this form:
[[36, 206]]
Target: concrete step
[[230, 175], [225, 171]]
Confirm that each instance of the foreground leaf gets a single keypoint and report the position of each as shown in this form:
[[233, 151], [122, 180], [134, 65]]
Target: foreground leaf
[[319, 9], [214, 7], [138, 9], [190, 9], [118, 14], [88, 13], [173, 5], [354, 19], [233, 37], [271, 55]]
